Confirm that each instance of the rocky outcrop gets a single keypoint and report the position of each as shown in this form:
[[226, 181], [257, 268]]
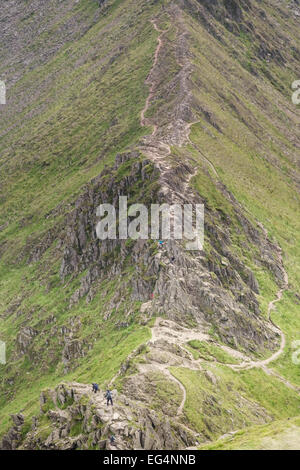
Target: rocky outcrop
[[149, 413], [74, 418], [73, 350], [212, 124], [13, 438], [216, 288], [25, 339], [82, 249]]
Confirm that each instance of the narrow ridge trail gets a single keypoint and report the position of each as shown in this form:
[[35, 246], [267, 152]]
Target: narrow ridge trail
[[167, 346], [158, 151], [143, 119]]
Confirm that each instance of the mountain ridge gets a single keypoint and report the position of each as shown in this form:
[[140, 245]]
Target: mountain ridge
[[200, 150]]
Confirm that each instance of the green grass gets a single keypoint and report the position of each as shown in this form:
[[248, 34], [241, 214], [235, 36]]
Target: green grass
[[210, 352], [92, 113], [76, 428], [168, 395], [237, 400], [69, 115], [279, 435], [249, 140], [83, 127]]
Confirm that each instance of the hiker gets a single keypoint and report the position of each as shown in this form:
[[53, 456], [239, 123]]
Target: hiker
[[112, 440], [161, 243], [108, 397], [95, 388]]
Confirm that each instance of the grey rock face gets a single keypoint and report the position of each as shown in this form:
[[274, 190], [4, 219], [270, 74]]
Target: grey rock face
[[13, 438], [216, 288], [212, 287], [25, 338], [134, 427], [73, 350]]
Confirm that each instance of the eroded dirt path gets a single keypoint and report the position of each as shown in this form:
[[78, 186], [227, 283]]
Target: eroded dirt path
[[248, 363], [143, 119], [167, 348], [157, 146], [265, 362], [166, 334]]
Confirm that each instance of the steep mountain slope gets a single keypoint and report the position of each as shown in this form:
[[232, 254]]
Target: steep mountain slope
[[162, 101]]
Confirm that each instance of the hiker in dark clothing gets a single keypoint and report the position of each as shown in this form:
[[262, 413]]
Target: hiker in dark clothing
[[95, 388], [108, 397]]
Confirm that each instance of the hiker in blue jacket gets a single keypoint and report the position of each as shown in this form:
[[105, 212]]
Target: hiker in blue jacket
[[95, 388], [108, 397]]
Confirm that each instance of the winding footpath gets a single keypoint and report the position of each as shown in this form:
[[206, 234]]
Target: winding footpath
[[143, 119], [250, 364], [166, 334], [271, 305], [158, 152]]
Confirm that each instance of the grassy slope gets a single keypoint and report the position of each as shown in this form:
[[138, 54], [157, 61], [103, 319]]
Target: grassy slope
[[217, 407], [254, 155], [92, 113], [83, 126], [280, 435]]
